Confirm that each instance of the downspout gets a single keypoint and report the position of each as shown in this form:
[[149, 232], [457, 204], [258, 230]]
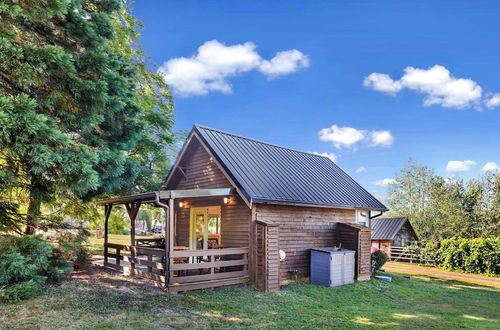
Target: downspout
[[167, 250]]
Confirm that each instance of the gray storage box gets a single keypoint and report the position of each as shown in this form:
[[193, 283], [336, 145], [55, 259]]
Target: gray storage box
[[332, 267]]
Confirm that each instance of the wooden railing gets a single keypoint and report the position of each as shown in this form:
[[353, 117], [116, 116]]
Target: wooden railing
[[402, 254], [188, 270], [141, 261], [197, 269]]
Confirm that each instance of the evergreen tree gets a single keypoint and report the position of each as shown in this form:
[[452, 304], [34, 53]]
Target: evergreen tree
[[72, 123]]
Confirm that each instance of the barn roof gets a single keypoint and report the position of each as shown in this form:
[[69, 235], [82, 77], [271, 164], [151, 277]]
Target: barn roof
[[267, 173], [387, 228]]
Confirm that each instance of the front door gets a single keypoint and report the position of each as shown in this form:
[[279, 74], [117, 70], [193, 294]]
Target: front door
[[198, 236]]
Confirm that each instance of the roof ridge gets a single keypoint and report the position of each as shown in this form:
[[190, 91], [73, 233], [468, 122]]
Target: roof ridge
[[260, 141]]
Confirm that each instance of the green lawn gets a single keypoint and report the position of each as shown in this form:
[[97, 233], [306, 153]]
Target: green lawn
[[99, 299]]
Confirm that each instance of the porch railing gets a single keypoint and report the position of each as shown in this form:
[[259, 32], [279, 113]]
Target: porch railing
[[198, 269], [141, 261], [188, 270]]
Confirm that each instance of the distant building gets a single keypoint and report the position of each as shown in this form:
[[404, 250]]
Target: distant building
[[388, 232]]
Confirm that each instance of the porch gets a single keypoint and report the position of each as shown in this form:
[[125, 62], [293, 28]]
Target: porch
[[206, 241]]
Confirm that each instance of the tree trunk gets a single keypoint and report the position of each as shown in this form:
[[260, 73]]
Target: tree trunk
[[33, 214]]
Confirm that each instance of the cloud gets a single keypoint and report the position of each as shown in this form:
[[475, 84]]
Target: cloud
[[332, 157], [382, 82], [384, 182], [436, 83], [284, 63], [490, 167], [456, 166], [361, 169], [493, 101], [349, 136], [381, 138], [341, 136], [214, 63]]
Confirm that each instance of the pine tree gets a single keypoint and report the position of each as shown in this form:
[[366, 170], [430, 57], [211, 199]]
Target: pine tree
[[69, 111]]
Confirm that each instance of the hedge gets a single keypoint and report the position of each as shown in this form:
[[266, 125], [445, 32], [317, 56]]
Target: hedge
[[478, 256]]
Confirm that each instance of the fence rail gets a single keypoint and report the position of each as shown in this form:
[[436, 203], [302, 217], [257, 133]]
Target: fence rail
[[216, 267], [402, 254], [188, 270], [144, 262]]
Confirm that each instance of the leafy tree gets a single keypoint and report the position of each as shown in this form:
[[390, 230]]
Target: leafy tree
[[79, 115], [442, 208]]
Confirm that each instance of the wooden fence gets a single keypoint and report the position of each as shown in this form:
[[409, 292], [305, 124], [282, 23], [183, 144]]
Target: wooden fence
[[198, 269], [402, 254], [141, 261], [188, 270]]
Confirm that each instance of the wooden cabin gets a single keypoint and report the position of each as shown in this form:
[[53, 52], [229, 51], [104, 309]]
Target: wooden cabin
[[245, 211], [392, 233]]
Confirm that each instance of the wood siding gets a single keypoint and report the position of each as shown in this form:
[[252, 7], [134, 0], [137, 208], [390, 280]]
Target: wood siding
[[300, 229], [267, 272], [384, 245], [405, 236], [235, 217], [197, 170], [364, 255]]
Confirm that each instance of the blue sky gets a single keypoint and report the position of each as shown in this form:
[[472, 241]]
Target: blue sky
[[382, 80]]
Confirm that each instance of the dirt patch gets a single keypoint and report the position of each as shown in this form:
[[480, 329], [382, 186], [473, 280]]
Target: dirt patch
[[410, 269]]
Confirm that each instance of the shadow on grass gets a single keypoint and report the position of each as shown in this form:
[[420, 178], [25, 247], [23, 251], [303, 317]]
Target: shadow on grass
[[100, 299]]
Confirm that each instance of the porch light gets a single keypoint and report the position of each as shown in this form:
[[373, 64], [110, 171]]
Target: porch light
[[226, 200], [181, 204]]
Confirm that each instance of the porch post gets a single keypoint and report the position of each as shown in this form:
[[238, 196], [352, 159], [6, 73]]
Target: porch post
[[169, 239], [132, 210], [107, 212]]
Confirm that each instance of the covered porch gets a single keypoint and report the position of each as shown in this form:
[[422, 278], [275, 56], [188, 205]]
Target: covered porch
[[206, 240]]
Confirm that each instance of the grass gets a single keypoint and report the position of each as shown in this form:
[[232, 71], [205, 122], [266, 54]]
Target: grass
[[99, 299], [96, 244]]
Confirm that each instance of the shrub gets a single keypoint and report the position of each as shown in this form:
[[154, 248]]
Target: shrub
[[26, 264], [379, 258], [73, 248], [479, 255]]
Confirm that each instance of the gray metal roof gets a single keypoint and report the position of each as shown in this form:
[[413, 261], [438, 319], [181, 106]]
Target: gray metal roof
[[387, 228], [267, 173]]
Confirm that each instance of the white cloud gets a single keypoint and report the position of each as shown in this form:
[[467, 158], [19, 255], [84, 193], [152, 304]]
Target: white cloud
[[361, 169], [456, 166], [341, 136], [493, 101], [382, 82], [332, 157], [490, 167], [384, 182], [437, 83], [212, 65], [381, 138], [349, 136], [284, 63]]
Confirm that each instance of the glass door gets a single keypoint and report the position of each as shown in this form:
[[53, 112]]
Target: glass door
[[198, 238]]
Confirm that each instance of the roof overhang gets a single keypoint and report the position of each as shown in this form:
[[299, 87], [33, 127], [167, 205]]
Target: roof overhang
[[312, 204], [150, 197]]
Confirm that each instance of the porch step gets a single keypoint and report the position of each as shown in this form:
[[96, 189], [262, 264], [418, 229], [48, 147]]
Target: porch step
[[207, 284]]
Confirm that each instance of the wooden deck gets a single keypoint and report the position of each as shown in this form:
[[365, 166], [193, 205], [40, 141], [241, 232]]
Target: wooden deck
[[186, 270]]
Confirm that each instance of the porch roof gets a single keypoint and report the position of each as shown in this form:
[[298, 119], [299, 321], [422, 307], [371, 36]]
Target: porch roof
[[150, 197]]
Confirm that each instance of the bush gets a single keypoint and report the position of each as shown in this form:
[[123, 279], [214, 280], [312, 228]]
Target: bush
[[379, 258], [73, 248], [478, 256], [26, 264]]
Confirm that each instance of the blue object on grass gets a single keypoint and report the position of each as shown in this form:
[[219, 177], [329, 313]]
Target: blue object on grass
[[384, 278]]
